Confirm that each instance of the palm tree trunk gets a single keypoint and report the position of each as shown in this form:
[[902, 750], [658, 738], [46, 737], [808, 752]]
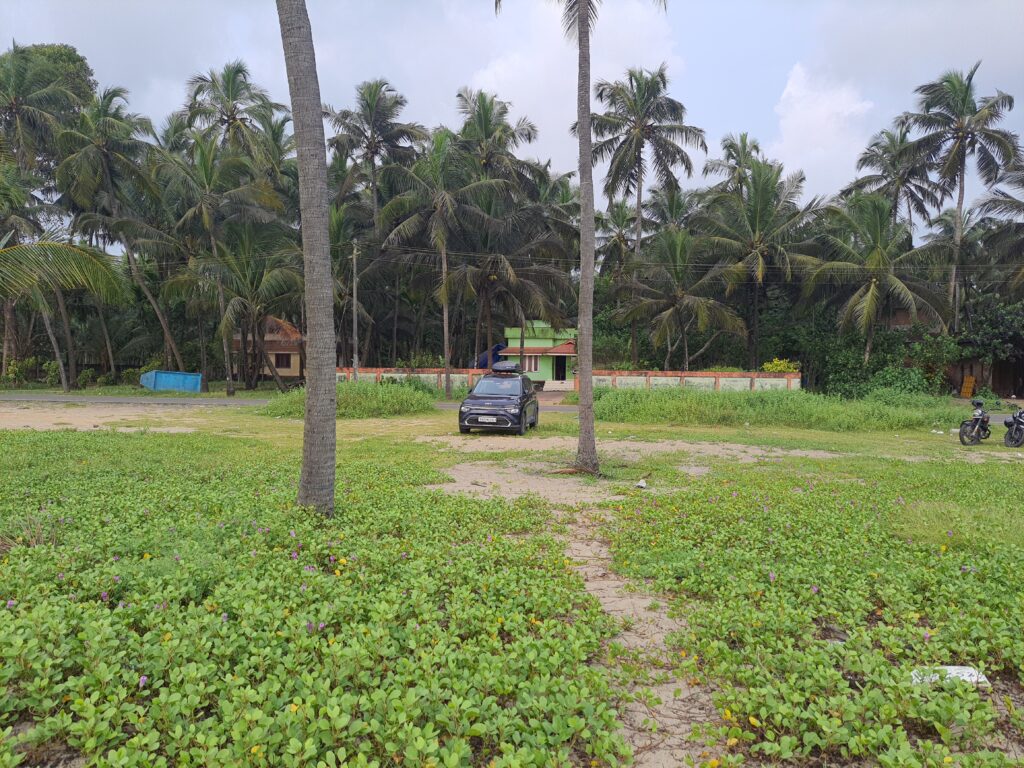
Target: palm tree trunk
[[586, 451], [204, 385], [56, 350], [269, 363], [755, 324], [958, 235], [867, 347], [9, 321], [490, 335], [160, 316], [522, 338], [69, 341], [319, 444], [634, 342], [394, 325], [479, 326], [444, 323], [106, 339]]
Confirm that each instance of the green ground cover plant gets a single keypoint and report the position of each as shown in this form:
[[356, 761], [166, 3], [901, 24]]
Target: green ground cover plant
[[165, 603], [883, 410], [359, 400], [812, 593]]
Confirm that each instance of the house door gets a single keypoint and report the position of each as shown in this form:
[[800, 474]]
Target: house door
[[560, 368]]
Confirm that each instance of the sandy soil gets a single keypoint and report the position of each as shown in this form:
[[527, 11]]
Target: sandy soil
[[490, 479], [625, 449], [85, 417]]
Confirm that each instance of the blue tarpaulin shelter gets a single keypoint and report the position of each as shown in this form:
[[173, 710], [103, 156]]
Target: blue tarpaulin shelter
[[171, 381]]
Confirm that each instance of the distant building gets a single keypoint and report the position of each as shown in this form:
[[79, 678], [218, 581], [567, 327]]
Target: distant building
[[548, 354], [283, 343]]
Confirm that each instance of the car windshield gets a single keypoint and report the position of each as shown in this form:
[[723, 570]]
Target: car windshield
[[498, 386]]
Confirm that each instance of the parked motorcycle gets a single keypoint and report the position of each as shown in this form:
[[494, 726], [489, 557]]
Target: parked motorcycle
[[976, 428], [1014, 437]]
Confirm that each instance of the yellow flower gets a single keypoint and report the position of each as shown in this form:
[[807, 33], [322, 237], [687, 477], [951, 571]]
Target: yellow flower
[[256, 750], [146, 555], [947, 759], [754, 721], [713, 763], [337, 572], [295, 707], [732, 742], [330, 641], [683, 654], [343, 561], [727, 715], [943, 549], [167, 637]]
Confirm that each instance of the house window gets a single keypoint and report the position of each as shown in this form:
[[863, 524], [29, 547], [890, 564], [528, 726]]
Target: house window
[[282, 360], [532, 364]]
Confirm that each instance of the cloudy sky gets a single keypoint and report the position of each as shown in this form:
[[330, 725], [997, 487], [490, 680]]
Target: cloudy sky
[[811, 79]]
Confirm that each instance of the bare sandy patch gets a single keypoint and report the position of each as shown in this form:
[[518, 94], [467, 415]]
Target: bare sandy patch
[[85, 417], [490, 479], [747, 454]]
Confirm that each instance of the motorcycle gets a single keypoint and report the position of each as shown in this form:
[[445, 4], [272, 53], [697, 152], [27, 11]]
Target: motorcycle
[[976, 428], [1014, 437]]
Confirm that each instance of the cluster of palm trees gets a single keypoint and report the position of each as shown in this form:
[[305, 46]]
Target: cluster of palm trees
[[126, 241]]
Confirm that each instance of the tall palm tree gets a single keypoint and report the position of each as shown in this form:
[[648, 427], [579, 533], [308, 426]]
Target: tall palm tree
[[1008, 239], [210, 187], [373, 134], [872, 265], [760, 231], [956, 124], [440, 198], [978, 264], [641, 119], [226, 104], [738, 152], [615, 238], [671, 207], [677, 293], [31, 99], [900, 174], [319, 444], [490, 138]]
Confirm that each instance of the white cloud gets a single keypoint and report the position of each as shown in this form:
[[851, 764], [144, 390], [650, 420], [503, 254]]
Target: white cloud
[[822, 129]]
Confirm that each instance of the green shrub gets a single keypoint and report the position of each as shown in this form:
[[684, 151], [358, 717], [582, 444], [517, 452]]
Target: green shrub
[[20, 372], [723, 369], [783, 365], [106, 380], [900, 379], [86, 377], [358, 400], [51, 373], [791, 409]]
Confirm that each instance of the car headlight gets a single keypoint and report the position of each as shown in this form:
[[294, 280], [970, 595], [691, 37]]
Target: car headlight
[[513, 409], [464, 408]]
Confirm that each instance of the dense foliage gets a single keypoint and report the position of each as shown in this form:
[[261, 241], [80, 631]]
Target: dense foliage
[[190, 251], [163, 602], [813, 594], [360, 400]]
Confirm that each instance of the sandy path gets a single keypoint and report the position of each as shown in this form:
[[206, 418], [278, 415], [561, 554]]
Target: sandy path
[[85, 417]]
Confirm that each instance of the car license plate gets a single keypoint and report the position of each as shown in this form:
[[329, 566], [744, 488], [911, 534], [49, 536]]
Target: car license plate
[[487, 419]]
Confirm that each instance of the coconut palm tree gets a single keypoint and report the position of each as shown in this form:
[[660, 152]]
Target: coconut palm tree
[[678, 292], [900, 174], [373, 134], [642, 123], [615, 238], [1008, 239], [490, 138], [319, 444], [671, 207], [956, 124], [737, 154], [760, 232], [872, 265], [440, 198], [978, 264], [226, 104]]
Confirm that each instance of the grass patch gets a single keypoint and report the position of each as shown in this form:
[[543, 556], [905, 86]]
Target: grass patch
[[358, 400], [809, 603], [882, 411], [167, 603]]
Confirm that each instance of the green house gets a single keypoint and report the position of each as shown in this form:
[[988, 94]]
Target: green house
[[548, 354]]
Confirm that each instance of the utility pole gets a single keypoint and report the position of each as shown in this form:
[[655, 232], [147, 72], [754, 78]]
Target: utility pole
[[355, 313]]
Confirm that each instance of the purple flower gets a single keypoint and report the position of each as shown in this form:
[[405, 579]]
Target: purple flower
[[927, 636], [142, 682], [116, 558], [60, 576], [224, 617], [11, 603], [177, 558], [771, 576], [295, 555], [302, 588], [814, 589], [104, 596], [405, 555], [117, 579], [949, 533], [309, 627], [322, 625], [292, 534]]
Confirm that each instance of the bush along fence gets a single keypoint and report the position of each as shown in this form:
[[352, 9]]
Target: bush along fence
[[723, 381]]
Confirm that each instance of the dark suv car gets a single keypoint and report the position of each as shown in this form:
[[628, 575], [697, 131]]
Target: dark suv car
[[501, 400]]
